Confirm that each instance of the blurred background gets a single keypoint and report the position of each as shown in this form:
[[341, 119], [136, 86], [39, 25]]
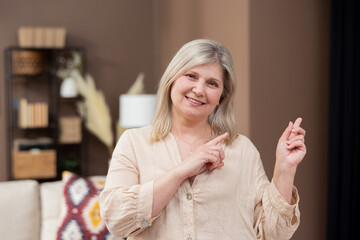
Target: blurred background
[[281, 51]]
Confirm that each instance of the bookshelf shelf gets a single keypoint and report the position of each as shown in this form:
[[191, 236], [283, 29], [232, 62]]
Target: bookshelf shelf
[[16, 128], [35, 107], [42, 76]]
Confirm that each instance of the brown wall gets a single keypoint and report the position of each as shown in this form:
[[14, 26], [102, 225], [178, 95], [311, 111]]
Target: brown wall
[[289, 71], [280, 50], [117, 35]]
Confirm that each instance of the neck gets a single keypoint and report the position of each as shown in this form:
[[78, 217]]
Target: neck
[[191, 129]]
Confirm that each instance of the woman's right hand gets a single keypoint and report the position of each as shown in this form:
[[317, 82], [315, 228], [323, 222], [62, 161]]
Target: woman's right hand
[[206, 157]]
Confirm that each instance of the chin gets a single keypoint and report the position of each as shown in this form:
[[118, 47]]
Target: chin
[[196, 117]]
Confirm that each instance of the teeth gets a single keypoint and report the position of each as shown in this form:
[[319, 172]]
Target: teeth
[[194, 101]]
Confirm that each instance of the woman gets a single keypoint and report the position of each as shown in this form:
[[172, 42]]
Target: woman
[[190, 175]]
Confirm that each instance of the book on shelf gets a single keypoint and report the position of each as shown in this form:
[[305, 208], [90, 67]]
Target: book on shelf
[[31, 115], [22, 116]]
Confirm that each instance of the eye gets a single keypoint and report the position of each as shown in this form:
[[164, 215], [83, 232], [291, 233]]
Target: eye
[[190, 75], [213, 84]]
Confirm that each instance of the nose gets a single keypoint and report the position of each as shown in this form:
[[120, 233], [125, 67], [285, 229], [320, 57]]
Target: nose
[[199, 89]]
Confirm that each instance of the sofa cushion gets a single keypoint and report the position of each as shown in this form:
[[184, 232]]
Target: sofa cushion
[[50, 193], [80, 212], [20, 210]]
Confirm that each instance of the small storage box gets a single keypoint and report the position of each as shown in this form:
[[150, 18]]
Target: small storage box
[[70, 130], [27, 62], [36, 165], [42, 37]]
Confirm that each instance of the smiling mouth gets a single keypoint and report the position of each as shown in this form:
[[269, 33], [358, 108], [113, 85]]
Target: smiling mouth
[[194, 101]]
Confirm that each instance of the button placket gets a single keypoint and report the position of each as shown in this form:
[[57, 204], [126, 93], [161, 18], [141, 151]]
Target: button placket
[[188, 216], [188, 196], [144, 223]]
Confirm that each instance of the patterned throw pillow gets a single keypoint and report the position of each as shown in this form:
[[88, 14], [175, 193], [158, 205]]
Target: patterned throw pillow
[[80, 212]]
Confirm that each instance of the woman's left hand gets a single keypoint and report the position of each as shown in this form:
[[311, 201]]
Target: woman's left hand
[[290, 152], [291, 147]]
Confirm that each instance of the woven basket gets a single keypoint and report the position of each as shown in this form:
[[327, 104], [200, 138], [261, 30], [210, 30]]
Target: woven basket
[[70, 129], [27, 62], [35, 165]]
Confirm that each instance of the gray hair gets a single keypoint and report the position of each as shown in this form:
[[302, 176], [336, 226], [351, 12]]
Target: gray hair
[[195, 53]]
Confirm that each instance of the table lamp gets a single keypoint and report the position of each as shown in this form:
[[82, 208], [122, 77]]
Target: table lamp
[[136, 110]]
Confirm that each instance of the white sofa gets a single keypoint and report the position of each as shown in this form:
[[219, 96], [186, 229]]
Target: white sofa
[[29, 210]]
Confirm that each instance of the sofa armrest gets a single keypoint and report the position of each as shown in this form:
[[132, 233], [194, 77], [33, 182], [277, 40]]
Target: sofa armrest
[[51, 195]]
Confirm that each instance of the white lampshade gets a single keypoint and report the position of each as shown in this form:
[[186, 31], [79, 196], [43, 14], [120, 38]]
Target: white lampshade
[[137, 110]]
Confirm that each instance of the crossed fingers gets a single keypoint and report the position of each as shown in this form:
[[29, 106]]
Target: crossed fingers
[[297, 135]]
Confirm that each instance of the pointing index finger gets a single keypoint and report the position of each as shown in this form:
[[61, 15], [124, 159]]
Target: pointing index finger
[[218, 139]]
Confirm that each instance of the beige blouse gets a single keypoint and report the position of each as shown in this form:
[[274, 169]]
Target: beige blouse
[[236, 201]]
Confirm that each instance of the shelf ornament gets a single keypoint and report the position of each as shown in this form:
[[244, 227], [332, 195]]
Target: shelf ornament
[[68, 87]]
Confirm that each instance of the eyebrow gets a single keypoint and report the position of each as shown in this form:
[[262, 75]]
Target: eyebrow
[[197, 74]]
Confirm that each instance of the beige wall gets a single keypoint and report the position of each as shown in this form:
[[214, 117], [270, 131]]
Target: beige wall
[[289, 71], [117, 35], [225, 22]]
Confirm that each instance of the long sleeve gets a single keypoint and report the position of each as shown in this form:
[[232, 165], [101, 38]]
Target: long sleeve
[[220, 204], [125, 204], [274, 218]]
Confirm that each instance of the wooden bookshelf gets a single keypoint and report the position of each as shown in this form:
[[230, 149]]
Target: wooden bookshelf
[[34, 110]]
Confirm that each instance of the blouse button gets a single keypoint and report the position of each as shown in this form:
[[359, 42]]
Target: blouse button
[[189, 238], [144, 223], [188, 196]]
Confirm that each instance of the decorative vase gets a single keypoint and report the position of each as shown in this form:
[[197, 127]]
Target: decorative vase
[[68, 88]]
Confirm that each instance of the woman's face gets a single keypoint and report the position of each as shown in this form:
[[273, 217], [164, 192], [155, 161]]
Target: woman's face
[[197, 92]]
